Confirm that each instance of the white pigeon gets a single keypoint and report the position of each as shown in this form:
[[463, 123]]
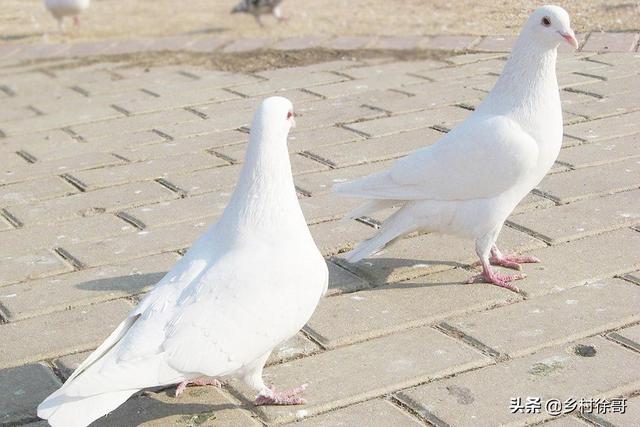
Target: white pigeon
[[257, 8], [469, 181], [247, 285], [63, 8]]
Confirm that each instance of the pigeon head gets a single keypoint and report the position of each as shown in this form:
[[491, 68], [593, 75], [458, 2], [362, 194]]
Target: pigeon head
[[550, 26], [274, 118]]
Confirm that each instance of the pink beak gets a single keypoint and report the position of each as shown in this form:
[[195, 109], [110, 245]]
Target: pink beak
[[570, 37]]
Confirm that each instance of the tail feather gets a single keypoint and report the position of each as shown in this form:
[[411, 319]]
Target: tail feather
[[392, 228], [59, 409], [368, 208]]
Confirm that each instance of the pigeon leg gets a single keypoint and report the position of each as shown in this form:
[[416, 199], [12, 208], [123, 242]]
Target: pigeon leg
[[484, 246], [270, 396], [259, 20], [512, 261], [199, 382], [76, 21], [277, 13]]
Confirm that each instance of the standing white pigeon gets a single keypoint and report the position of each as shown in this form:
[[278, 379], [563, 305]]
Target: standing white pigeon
[[469, 181], [257, 8], [63, 8], [248, 284]]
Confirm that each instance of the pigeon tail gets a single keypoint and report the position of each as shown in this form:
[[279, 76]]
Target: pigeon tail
[[368, 208], [63, 410], [392, 228]]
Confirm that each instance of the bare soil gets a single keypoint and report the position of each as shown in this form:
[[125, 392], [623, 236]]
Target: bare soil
[[24, 21]]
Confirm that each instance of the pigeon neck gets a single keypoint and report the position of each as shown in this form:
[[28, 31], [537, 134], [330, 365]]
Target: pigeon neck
[[265, 196], [528, 79]]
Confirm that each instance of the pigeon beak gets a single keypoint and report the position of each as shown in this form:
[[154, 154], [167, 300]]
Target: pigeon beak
[[570, 37]]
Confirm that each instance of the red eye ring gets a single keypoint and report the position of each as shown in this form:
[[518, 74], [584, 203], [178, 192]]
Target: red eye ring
[[290, 115]]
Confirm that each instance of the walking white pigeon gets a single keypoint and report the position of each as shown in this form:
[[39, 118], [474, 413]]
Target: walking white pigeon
[[248, 284], [470, 180], [257, 8], [63, 8]]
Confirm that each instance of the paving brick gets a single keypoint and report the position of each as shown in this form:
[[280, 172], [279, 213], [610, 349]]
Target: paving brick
[[450, 43], [363, 86], [495, 43], [343, 281], [393, 69], [631, 333], [26, 239], [321, 182], [31, 191], [348, 42], [430, 253], [600, 257], [397, 42], [181, 98], [445, 117], [613, 42], [90, 203], [146, 170], [628, 419], [331, 112], [602, 89], [196, 207], [464, 71], [469, 58], [38, 263], [78, 288], [293, 82], [206, 406], [299, 163], [591, 182], [59, 333], [308, 139], [147, 242], [376, 149], [429, 95], [206, 180], [598, 153], [326, 207], [580, 219], [298, 43], [333, 237], [22, 389], [373, 413], [554, 319], [472, 399], [574, 80], [610, 106], [179, 147], [392, 363], [58, 167], [247, 44], [379, 311], [126, 125]]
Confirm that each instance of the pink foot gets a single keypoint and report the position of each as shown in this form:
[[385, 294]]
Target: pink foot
[[76, 21], [513, 261], [502, 280], [287, 397], [199, 382]]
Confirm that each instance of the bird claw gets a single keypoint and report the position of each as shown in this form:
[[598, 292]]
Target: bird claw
[[285, 397], [197, 382], [512, 261], [497, 279]]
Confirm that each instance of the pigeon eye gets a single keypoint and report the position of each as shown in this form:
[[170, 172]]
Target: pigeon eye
[[546, 21], [289, 115]]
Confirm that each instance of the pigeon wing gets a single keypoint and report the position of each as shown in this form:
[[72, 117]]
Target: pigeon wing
[[481, 158]]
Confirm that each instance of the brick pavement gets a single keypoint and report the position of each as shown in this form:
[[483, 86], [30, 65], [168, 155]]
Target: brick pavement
[[110, 172]]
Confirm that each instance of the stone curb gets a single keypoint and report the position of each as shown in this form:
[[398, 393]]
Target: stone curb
[[590, 42]]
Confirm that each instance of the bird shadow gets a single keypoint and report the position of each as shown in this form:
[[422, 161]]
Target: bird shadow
[[132, 284], [21, 36], [146, 407], [207, 30]]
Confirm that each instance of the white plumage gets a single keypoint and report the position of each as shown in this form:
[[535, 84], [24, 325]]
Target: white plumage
[[66, 8], [247, 285], [469, 181]]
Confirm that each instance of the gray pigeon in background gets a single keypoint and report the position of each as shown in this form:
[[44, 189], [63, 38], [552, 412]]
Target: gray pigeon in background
[[260, 7]]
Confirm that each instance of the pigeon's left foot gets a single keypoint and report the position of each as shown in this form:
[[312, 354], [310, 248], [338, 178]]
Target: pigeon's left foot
[[199, 382], [490, 276], [286, 397], [512, 261]]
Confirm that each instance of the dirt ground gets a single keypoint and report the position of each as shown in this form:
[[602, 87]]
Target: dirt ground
[[23, 21]]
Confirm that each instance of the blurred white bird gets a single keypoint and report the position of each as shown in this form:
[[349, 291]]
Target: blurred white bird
[[63, 8], [247, 285], [257, 8], [468, 182]]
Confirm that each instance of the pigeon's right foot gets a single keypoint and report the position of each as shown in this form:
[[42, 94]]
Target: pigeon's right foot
[[502, 280], [287, 397], [199, 381]]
